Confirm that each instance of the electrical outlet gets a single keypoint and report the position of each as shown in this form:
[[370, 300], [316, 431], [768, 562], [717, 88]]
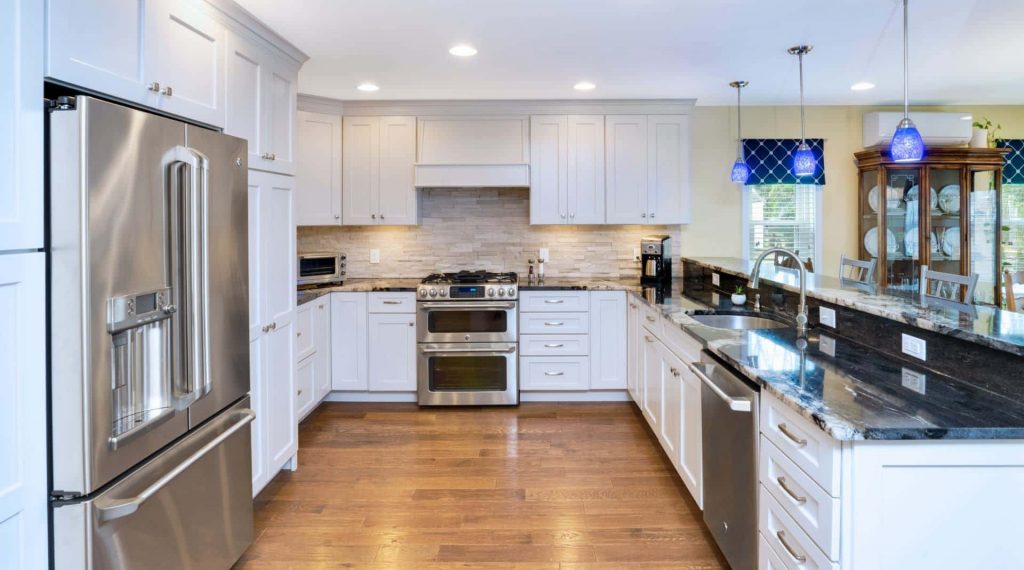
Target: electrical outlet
[[374, 256], [714, 299], [543, 254], [827, 317], [636, 254], [914, 380], [716, 279], [916, 347], [827, 345]]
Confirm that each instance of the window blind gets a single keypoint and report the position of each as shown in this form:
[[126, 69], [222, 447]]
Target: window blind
[[1013, 222], [1013, 166], [782, 215]]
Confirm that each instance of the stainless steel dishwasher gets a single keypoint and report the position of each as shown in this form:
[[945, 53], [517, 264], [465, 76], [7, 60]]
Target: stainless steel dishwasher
[[729, 436]]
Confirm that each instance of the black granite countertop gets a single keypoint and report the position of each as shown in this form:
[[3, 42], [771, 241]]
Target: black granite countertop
[[988, 326]]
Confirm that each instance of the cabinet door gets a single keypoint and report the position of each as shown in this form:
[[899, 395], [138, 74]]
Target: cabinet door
[[652, 383], [348, 341], [608, 340], [277, 248], [23, 498], [360, 170], [258, 398], [100, 45], [322, 333], [633, 345], [548, 175], [690, 465], [668, 169], [318, 170], [398, 201], [305, 387], [585, 188], [304, 341], [279, 378], [392, 344], [21, 126], [672, 393], [185, 53], [243, 87], [625, 142], [256, 205], [279, 108]]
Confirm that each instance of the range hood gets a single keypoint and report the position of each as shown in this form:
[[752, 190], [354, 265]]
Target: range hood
[[477, 152]]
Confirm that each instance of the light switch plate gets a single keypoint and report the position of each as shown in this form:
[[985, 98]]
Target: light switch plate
[[827, 317], [914, 380], [716, 279], [916, 347], [827, 345], [374, 256]]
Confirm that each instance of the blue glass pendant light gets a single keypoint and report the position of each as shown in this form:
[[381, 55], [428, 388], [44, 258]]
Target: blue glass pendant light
[[740, 170], [804, 163], [907, 145]]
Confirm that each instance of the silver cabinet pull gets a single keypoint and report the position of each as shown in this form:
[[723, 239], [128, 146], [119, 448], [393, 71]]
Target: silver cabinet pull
[[300, 392], [392, 302], [785, 431], [154, 87], [412, 324], [554, 301], [562, 216], [782, 483], [674, 371], [558, 345], [572, 215], [298, 334], [321, 307], [273, 156], [382, 216], [554, 373], [373, 216], [643, 215], [652, 215], [651, 319], [337, 217], [648, 339], [553, 323], [167, 91], [782, 538]]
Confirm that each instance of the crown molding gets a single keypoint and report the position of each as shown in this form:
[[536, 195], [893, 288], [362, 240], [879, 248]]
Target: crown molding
[[250, 22]]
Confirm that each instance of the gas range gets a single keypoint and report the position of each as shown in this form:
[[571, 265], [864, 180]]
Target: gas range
[[469, 286]]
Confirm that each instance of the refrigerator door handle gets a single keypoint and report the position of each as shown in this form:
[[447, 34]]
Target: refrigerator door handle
[[123, 507]]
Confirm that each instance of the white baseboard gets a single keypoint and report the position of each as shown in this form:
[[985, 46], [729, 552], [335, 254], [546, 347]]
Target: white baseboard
[[370, 397], [591, 396]]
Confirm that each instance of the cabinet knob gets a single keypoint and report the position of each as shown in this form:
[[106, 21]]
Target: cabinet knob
[[382, 216], [300, 392], [298, 334], [167, 91], [412, 324], [652, 214], [643, 215], [562, 216], [373, 216], [572, 215], [337, 217], [154, 87], [273, 156]]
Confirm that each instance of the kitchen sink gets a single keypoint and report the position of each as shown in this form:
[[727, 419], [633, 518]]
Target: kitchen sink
[[739, 322]]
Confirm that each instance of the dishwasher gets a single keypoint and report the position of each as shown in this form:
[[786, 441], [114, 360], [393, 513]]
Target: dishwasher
[[729, 434]]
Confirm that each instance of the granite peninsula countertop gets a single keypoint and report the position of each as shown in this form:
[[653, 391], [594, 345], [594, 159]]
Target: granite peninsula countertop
[[988, 326]]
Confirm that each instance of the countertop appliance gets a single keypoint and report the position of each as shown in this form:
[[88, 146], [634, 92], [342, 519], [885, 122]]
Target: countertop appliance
[[655, 260], [321, 269], [150, 435], [467, 339], [729, 424]]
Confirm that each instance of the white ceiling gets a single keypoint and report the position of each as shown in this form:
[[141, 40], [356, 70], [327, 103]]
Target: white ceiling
[[962, 51]]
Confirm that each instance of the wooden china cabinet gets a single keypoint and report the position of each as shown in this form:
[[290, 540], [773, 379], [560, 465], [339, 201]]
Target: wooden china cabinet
[[952, 227]]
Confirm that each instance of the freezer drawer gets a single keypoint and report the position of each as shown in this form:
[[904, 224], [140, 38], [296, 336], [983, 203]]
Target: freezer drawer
[[188, 507]]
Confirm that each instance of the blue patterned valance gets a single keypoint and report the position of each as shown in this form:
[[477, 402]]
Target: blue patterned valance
[[771, 161], [1013, 168]]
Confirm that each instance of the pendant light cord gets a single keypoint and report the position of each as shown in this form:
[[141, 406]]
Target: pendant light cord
[[906, 63], [739, 122], [803, 138]]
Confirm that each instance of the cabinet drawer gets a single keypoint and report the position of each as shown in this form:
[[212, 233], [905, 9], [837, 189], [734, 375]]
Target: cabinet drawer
[[680, 343], [768, 559], [795, 549], [304, 345], [553, 301], [305, 380], [554, 323], [811, 449], [392, 303], [811, 507], [554, 373], [651, 319], [554, 345]]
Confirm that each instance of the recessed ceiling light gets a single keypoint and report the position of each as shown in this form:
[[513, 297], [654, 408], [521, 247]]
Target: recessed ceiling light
[[368, 87], [862, 86], [463, 50], [584, 86]]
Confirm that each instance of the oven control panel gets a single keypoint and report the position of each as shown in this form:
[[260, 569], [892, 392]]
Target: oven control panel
[[467, 292]]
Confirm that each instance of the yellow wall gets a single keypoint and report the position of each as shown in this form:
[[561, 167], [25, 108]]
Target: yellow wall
[[716, 226]]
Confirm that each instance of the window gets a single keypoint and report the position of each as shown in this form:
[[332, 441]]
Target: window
[[1013, 227], [782, 215]]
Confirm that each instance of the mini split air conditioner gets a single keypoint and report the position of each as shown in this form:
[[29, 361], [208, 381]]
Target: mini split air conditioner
[[937, 129]]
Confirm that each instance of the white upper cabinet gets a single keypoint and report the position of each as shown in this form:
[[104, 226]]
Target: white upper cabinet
[[279, 96], [184, 53], [548, 166], [585, 185], [648, 169], [318, 170], [668, 169], [626, 167], [377, 161]]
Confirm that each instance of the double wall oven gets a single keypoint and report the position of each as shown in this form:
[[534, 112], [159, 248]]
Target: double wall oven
[[468, 339]]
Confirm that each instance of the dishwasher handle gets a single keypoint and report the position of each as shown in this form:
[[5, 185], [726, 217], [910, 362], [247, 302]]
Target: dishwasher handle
[[735, 404]]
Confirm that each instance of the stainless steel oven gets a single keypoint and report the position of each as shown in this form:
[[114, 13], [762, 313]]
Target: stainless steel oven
[[321, 268], [468, 374], [466, 321]]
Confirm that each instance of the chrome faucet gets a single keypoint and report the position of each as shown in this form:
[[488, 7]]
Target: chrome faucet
[[801, 317]]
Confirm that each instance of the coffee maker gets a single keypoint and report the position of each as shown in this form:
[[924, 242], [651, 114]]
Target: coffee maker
[[655, 260]]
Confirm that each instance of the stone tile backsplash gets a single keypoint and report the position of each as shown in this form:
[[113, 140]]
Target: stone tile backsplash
[[483, 228]]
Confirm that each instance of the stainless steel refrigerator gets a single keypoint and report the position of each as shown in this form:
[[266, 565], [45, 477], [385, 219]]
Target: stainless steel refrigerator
[[151, 458]]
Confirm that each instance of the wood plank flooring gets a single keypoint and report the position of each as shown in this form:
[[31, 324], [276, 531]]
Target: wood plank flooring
[[541, 486]]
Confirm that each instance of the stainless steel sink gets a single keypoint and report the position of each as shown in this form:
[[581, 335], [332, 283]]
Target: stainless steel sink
[[738, 322]]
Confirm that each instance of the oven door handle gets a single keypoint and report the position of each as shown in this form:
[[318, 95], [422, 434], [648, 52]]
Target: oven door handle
[[456, 306], [508, 350]]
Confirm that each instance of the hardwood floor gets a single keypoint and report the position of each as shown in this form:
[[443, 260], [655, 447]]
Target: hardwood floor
[[541, 486]]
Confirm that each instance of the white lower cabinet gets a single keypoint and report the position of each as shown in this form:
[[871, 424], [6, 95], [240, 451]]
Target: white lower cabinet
[[608, 368], [373, 342], [652, 380], [554, 373], [322, 341], [392, 345], [305, 380], [689, 462], [348, 341], [313, 355]]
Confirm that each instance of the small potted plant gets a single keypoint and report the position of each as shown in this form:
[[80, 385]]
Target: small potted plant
[[984, 135], [739, 297]]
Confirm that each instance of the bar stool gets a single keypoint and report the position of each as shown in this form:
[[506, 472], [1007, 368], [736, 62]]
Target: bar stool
[[950, 289], [857, 274], [1014, 300]]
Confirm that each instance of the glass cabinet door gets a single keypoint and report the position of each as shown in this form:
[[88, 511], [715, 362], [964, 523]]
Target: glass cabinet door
[[902, 212], [945, 236], [982, 239], [870, 217]]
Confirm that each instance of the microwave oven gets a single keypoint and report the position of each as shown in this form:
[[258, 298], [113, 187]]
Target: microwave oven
[[321, 269]]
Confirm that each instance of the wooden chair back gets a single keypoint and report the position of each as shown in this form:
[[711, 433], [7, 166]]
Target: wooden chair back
[[1013, 302], [948, 288], [857, 273]]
